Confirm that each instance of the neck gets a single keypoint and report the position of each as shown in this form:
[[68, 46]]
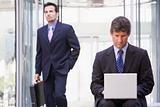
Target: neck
[[51, 23]]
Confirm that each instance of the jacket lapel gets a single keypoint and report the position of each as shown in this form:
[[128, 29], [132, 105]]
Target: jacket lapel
[[45, 34], [111, 59], [129, 58], [56, 31]]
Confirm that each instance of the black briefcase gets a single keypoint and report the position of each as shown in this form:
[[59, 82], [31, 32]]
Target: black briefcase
[[37, 94]]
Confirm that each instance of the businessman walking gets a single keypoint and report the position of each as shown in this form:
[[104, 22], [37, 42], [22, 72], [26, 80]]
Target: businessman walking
[[57, 51]]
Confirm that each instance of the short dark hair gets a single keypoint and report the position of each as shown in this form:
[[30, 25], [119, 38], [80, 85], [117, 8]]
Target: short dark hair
[[121, 23], [51, 4]]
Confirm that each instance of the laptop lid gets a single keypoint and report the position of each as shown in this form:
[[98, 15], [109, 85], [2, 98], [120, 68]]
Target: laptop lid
[[120, 85]]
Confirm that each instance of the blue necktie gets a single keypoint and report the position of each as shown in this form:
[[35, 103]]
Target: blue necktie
[[119, 61]]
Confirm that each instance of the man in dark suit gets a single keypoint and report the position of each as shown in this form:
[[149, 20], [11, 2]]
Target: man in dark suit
[[57, 51], [134, 60]]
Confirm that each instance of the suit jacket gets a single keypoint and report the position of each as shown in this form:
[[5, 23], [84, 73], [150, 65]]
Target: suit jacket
[[62, 52], [136, 61]]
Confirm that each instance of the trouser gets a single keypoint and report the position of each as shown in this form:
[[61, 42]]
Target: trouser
[[54, 89], [119, 103]]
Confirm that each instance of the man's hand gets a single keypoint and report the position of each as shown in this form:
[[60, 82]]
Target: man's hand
[[37, 78], [103, 92]]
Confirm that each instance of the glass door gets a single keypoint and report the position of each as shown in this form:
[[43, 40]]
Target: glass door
[[25, 30]]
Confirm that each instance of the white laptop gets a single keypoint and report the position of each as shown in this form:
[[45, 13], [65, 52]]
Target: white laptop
[[120, 85]]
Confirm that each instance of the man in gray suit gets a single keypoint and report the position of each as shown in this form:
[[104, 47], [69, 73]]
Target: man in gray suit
[[134, 60]]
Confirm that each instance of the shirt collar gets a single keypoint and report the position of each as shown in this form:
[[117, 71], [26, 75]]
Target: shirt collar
[[53, 25], [117, 49]]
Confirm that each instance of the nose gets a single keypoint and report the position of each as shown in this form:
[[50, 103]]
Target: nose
[[48, 14], [119, 39]]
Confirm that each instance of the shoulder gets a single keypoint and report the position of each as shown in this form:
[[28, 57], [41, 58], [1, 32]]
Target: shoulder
[[64, 25], [137, 50], [105, 52], [42, 28]]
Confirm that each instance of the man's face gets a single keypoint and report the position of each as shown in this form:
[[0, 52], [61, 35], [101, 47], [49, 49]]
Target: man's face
[[119, 39], [50, 14]]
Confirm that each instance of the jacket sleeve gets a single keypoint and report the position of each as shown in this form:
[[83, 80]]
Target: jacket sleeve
[[74, 45], [97, 78], [38, 60], [145, 77]]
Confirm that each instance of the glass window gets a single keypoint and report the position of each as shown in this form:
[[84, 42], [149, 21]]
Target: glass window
[[148, 29], [7, 53], [87, 16]]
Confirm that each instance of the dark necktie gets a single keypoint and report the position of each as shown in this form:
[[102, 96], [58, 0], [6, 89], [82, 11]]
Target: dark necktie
[[119, 61]]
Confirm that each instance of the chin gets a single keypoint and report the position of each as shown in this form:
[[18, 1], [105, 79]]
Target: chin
[[51, 21], [119, 47]]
